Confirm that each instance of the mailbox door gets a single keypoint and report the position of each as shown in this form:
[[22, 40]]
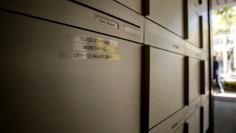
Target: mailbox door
[[166, 84], [62, 79], [135, 5], [194, 22], [194, 78], [74, 14], [168, 13], [194, 122]]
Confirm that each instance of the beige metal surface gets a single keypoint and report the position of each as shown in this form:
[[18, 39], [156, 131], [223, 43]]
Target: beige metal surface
[[204, 13], [193, 51], [207, 80], [204, 98], [193, 22], [194, 122], [161, 38], [206, 120], [180, 130], [193, 106], [133, 4], [116, 9], [168, 13], [194, 78], [166, 85], [174, 124], [67, 12], [47, 92]]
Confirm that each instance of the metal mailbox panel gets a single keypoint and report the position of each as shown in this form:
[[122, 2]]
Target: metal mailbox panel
[[174, 124], [166, 79], [133, 4], [168, 13], [194, 78], [193, 22], [116, 9], [194, 51], [71, 13], [206, 121], [204, 13], [46, 87], [193, 106], [194, 123], [204, 77], [161, 38], [180, 130], [204, 98], [207, 81], [205, 33]]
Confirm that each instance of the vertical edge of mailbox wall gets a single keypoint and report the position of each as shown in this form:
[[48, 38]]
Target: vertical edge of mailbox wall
[[211, 113]]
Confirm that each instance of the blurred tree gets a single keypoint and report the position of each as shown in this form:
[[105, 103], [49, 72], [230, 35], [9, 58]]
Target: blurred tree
[[227, 21]]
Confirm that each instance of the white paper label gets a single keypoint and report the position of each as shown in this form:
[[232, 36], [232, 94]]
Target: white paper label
[[106, 21], [84, 48]]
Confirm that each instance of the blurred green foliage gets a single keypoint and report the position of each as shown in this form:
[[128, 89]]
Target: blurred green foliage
[[227, 19], [230, 86]]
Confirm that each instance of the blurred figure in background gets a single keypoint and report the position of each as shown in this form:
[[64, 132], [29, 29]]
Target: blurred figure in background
[[217, 73]]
